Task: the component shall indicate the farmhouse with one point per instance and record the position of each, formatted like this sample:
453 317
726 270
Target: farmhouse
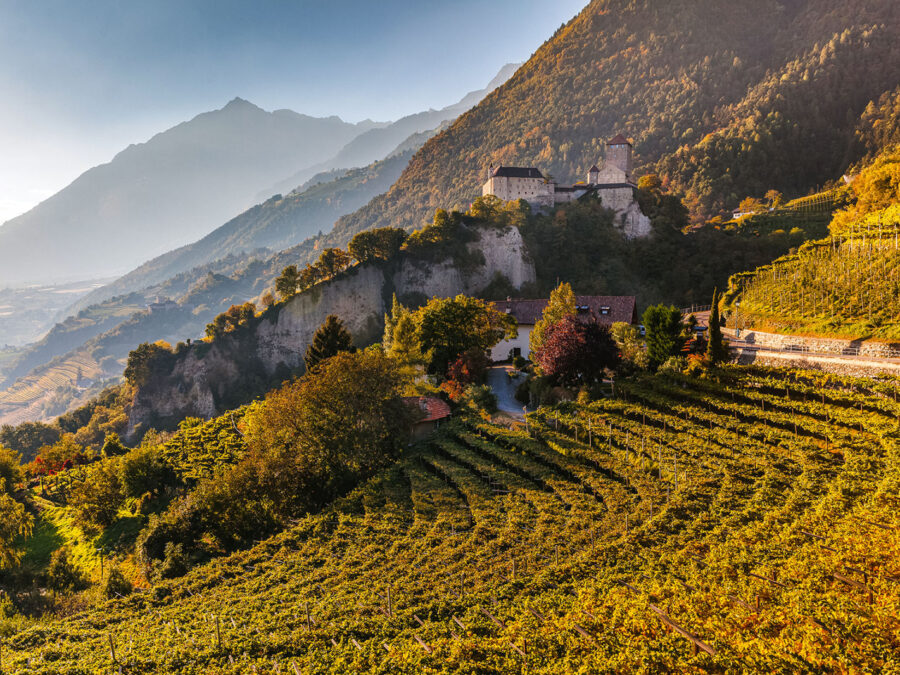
605 309
613 184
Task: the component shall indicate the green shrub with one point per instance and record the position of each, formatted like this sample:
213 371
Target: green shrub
483 397
62 575
116 584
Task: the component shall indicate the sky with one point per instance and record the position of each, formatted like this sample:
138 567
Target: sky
82 79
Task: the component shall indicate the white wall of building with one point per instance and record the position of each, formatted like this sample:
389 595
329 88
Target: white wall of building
501 351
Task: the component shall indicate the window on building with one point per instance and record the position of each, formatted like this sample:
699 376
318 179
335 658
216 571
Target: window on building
604 310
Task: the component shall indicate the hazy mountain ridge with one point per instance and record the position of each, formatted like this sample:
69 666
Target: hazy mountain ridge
378 143
170 190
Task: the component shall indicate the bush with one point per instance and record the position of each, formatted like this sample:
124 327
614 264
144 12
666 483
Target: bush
519 362
62 575
175 563
674 364
116 584
483 397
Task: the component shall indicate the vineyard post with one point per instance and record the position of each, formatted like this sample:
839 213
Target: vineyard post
390 603
218 634
675 457
590 434
308 621
660 463
112 648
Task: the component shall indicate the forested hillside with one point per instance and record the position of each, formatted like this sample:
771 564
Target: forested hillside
724 100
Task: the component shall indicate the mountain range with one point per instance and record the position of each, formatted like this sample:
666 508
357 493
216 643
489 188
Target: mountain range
155 196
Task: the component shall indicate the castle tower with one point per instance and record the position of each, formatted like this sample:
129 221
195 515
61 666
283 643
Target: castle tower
593 175
619 153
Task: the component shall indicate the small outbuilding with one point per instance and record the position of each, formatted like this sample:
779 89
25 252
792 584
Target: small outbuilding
433 412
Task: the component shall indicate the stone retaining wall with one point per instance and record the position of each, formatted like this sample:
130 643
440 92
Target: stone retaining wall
882 350
830 364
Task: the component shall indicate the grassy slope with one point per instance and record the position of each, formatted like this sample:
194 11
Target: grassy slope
542 534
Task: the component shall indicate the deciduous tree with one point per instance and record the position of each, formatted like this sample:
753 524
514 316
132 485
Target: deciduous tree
576 352
450 326
561 304
288 282
15 522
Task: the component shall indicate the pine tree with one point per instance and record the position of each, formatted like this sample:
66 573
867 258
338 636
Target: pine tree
716 349
330 339
390 323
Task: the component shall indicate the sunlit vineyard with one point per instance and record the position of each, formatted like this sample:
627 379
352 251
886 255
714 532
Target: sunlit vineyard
64 372
746 524
848 284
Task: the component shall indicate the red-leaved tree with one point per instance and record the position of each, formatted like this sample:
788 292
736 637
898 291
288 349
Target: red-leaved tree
576 352
469 367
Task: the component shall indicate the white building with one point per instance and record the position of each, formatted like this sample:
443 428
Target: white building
613 184
605 309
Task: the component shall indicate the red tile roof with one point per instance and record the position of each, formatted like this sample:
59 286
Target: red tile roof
432 408
607 309
619 140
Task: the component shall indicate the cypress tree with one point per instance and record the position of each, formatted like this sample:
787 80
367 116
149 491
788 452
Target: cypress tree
716 349
330 339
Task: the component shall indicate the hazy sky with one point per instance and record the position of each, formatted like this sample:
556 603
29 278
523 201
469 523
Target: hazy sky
81 79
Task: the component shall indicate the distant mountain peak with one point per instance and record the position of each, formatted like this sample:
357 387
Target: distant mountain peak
238 103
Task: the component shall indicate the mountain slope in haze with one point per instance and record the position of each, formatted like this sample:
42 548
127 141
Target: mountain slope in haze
278 223
166 192
782 83
376 143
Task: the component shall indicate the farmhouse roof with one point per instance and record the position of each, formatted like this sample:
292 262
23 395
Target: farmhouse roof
516 172
606 309
594 169
619 140
432 408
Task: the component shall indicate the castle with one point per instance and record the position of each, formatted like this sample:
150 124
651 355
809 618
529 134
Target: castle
614 184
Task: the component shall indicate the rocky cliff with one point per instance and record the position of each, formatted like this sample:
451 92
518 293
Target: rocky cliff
210 377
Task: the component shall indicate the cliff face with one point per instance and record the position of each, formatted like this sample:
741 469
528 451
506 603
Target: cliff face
208 378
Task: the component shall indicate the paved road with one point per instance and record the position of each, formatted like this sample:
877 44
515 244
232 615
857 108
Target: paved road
505 389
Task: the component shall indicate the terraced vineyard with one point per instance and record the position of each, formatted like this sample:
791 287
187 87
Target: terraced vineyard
747 525
18 403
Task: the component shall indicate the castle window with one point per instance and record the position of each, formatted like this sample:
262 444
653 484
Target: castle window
604 310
